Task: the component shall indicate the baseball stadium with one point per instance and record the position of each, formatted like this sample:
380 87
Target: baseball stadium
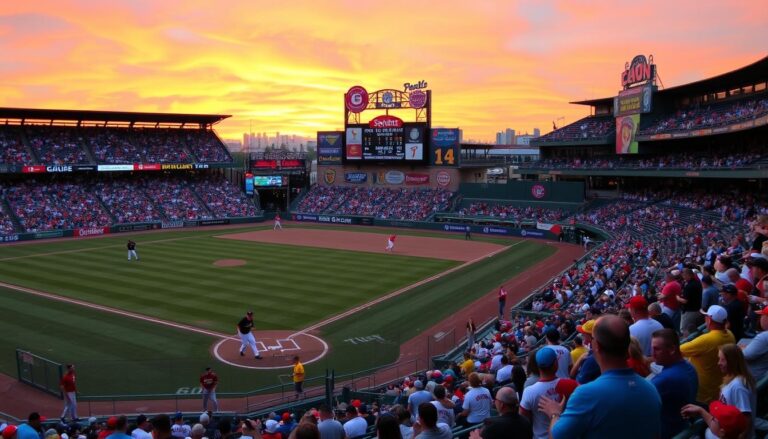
135 245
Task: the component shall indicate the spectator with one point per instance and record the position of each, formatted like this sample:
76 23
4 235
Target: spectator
578 350
735 309
602 408
445 407
417 398
404 418
723 421
563 354
180 430
703 353
143 427
643 325
328 426
270 430
636 360
738 387
654 311
709 295
587 370
669 299
355 425
677 383
120 429
756 352
477 402
387 427
509 424
550 385
427 427
690 300
32 428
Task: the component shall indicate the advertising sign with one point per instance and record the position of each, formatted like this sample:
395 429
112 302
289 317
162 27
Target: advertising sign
329 147
355 143
413 179
445 147
626 130
249 184
633 101
267 180
355 177
356 99
639 70
386 138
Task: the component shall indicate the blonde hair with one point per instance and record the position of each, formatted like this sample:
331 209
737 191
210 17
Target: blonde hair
736 366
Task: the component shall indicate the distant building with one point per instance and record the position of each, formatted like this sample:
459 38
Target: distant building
509 136
536 132
500 138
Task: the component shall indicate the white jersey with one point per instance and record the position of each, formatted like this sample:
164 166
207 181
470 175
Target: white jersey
530 402
478 402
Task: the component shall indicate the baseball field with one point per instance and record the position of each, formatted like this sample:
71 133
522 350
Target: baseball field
329 294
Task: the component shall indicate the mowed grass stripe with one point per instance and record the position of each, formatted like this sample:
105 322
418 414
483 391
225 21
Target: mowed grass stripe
177 280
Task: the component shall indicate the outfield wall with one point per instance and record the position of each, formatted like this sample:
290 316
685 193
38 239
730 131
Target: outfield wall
121 228
539 191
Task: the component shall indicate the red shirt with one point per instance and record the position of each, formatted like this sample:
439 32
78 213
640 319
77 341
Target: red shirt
68 382
392 238
502 295
669 295
209 380
277 217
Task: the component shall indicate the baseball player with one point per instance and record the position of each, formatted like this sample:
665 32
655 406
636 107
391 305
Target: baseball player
208 382
391 243
69 390
132 250
277 226
244 328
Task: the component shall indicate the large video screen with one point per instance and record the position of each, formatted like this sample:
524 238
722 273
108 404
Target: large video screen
393 143
267 180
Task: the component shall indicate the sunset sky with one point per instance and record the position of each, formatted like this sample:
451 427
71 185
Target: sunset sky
285 65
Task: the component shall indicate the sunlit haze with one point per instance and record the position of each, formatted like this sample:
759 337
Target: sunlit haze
285 65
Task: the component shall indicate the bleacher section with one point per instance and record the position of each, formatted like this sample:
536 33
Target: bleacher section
588 128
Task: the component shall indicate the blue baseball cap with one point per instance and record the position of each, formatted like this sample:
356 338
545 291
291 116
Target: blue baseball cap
546 357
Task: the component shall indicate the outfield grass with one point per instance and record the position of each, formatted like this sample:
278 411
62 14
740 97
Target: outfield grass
289 287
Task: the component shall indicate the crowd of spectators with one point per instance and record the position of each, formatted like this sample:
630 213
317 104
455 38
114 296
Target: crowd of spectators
700 160
222 198
41 206
12 150
56 145
709 116
84 202
205 146
384 203
592 127
512 212
160 146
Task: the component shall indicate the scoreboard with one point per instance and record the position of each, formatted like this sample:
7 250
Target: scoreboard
394 142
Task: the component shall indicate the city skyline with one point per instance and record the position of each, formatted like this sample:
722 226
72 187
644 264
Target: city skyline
285 68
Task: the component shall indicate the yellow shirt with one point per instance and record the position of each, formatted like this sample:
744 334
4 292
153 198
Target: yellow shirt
298 372
577 352
702 353
467 367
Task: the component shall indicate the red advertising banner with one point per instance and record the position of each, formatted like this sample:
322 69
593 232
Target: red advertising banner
33 169
147 167
92 231
416 179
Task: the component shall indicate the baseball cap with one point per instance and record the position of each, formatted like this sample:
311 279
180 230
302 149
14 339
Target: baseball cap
732 421
176 417
729 288
286 417
271 426
763 312
717 313
418 384
637 303
546 357
141 419
92 420
760 263
112 422
9 431
587 327
204 418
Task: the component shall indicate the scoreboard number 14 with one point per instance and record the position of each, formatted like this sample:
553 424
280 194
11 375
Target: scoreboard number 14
444 157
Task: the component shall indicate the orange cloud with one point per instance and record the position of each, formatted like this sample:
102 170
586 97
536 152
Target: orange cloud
284 66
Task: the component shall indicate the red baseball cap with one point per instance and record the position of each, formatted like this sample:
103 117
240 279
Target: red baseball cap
732 421
763 312
9 431
637 302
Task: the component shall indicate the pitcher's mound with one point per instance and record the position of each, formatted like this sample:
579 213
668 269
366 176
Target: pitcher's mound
229 262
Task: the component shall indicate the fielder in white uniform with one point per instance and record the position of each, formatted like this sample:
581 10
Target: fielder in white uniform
244 328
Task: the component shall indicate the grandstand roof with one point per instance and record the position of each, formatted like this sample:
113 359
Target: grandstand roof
754 72
108 116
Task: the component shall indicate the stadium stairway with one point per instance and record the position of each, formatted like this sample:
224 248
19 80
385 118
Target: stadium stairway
30 150
88 152
200 199
106 208
12 216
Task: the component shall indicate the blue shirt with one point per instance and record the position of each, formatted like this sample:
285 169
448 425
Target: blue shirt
589 370
619 404
26 432
677 385
118 435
